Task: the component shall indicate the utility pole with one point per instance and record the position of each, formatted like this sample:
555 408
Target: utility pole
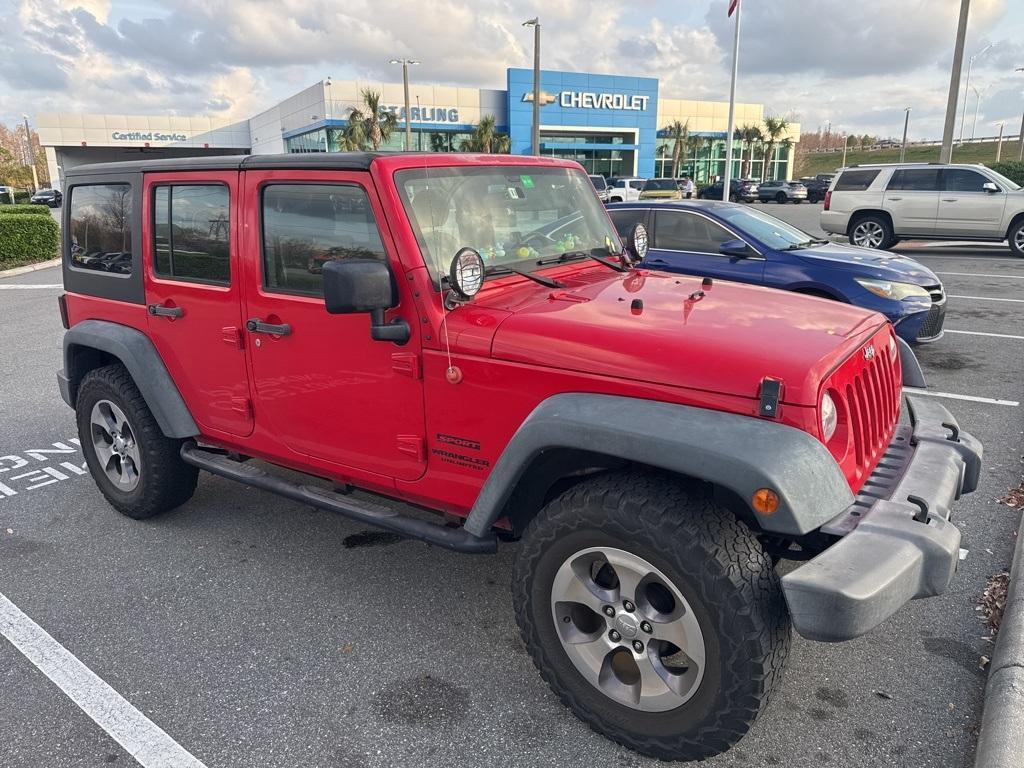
405 82
954 83
906 124
846 142
999 146
30 156
535 135
734 5
1020 138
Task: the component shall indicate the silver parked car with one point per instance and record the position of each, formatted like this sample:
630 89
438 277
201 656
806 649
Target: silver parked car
782 191
876 206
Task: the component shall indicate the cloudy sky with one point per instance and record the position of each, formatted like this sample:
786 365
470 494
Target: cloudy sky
854 63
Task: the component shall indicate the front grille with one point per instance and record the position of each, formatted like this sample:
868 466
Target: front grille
932 327
873 398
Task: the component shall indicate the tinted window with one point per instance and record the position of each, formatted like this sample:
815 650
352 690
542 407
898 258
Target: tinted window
963 180
855 181
618 183
661 184
681 231
624 221
307 225
101 228
191 232
915 179
599 182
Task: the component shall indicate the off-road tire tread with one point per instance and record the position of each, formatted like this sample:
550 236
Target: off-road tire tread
167 481
701 539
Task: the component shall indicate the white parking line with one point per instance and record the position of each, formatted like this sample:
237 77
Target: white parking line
983 333
954 396
23 287
141 738
984 298
973 274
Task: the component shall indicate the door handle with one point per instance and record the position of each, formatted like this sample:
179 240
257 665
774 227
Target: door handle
950 199
255 325
895 197
158 310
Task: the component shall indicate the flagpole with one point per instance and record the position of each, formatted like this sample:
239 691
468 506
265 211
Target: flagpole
727 178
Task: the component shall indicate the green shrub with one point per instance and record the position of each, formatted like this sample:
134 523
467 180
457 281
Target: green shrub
26 238
1013 170
33 209
22 197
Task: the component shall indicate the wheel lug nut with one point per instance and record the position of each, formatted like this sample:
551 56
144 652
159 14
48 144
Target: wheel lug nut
615 636
646 627
609 611
638 646
628 605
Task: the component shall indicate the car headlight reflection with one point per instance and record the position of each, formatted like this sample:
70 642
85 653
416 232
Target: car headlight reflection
829 417
888 289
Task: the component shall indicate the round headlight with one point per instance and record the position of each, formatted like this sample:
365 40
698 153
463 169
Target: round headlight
466 275
637 245
829 417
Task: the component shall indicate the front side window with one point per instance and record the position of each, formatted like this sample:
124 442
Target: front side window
515 216
683 231
191 239
963 180
307 225
915 180
101 228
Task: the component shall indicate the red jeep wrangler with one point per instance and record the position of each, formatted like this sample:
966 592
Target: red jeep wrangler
467 334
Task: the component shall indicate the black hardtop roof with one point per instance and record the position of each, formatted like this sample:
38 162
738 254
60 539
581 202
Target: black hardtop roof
341 161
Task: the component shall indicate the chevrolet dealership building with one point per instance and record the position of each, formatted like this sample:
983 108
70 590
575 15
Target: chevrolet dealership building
613 125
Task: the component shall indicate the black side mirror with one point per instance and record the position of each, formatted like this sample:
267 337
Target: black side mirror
364 285
736 249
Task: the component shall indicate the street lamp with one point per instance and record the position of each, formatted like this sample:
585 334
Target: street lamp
999 146
1020 139
906 124
970 65
405 82
30 155
535 138
977 106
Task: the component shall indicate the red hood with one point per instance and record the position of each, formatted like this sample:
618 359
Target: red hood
726 341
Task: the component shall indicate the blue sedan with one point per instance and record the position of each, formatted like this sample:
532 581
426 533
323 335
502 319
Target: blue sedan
735 242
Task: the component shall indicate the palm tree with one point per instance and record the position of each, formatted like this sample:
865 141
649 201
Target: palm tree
750 135
369 124
678 132
774 129
485 138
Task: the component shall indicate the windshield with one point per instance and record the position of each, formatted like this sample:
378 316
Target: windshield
661 184
772 232
1010 185
514 216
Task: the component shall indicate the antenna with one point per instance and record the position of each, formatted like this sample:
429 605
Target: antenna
452 374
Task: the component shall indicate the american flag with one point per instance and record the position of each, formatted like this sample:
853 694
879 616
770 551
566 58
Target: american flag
732 6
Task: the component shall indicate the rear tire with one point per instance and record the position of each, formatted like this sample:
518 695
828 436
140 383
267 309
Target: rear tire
702 567
780 198
136 467
872 231
1016 238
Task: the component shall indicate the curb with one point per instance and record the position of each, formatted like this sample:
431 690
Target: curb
29 268
1001 741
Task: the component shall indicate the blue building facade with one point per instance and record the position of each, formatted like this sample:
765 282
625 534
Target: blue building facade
609 123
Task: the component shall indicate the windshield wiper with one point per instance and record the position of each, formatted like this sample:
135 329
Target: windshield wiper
573 255
545 281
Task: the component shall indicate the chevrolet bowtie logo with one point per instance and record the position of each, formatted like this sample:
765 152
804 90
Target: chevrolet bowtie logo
545 97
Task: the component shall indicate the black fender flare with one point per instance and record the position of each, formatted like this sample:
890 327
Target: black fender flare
137 353
741 453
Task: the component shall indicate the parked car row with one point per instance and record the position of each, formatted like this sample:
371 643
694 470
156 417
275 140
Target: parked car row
627 189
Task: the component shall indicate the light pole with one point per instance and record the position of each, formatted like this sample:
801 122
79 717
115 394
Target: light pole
535 136
906 124
419 133
977 106
846 142
30 155
405 82
999 146
954 83
967 85
1020 139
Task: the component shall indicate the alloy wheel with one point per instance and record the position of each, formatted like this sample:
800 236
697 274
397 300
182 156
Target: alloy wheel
113 441
627 629
868 234
1018 240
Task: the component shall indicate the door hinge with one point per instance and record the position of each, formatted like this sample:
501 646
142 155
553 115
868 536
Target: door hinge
232 336
407 363
242 405
411 445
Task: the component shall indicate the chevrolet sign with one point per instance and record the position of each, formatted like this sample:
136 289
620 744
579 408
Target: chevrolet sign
588 100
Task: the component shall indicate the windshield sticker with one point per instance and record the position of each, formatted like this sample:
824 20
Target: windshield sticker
527 181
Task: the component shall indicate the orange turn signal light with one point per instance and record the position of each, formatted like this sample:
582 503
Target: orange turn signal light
765 501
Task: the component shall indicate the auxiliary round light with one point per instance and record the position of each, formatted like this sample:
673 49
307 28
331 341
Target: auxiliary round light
466 275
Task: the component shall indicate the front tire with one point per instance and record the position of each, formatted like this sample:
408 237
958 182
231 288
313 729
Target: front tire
136 467
681 577
872 231
780 198
1016 239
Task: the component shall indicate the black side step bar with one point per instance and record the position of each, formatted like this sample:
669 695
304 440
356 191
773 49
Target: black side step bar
364 511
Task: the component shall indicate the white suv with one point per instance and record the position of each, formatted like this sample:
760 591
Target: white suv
625 189
876 206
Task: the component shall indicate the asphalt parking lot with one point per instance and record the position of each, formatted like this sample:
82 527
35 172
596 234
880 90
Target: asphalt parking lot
258 632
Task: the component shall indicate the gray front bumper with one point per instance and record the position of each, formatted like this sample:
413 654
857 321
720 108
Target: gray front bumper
885 556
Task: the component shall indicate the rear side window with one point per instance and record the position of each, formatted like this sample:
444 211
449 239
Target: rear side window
307 225
855 181
963 180
915 180
191 233
101 228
